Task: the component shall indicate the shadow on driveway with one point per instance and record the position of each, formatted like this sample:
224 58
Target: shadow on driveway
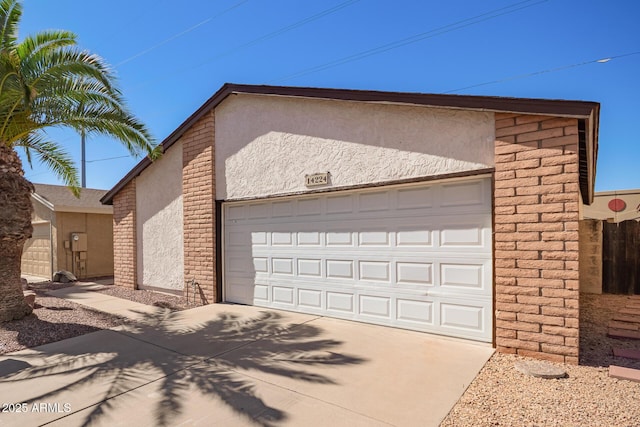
163 360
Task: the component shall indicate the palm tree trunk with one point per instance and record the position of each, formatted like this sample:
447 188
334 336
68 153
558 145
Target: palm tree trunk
15 229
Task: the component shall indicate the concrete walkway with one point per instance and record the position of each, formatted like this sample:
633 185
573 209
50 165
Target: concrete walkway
237 365
84 293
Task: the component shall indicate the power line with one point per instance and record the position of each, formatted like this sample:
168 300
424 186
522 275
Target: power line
255 41
549 70
29 176
281 31
36 174
106 158
180 34
416 38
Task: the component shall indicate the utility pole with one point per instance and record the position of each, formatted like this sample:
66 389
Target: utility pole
84 160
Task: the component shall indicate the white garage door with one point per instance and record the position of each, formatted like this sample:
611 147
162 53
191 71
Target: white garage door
36 253
413 256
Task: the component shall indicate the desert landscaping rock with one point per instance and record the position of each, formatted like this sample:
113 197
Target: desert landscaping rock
502 396
540 369
30 298
64 277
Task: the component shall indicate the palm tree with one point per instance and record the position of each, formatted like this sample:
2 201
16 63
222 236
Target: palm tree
47 81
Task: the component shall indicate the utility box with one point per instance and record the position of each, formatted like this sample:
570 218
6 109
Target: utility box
78 242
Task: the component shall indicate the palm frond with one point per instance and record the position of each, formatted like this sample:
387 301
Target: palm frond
54 157
59 64
46 81
10 13
44 41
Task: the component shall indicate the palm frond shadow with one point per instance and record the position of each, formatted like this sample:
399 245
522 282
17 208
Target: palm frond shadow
180 358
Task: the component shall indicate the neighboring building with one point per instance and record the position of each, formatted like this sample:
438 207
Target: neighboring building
69 233
456 215
614 206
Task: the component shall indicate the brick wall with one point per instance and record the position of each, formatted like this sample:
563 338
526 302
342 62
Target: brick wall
198 196
536 236
124 237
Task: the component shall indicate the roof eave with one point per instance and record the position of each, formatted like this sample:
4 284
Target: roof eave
43 201
561 108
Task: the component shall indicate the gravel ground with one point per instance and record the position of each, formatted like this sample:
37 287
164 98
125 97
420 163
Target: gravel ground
53 319
502 396
146 297
499 396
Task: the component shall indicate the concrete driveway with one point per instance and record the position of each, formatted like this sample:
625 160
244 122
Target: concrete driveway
233 365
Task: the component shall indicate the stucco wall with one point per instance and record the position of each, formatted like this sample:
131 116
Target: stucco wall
591 256
265 145
99 230
160 253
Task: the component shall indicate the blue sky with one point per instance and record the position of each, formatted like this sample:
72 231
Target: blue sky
171 56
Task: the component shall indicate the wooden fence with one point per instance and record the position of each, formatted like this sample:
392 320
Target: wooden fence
621 258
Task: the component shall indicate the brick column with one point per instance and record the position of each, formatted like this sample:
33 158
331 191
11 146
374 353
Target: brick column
536 236
124 237
198 198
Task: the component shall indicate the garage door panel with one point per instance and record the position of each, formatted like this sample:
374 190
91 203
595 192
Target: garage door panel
309 238
374 201
261 293
414 236
308 267
238 290
414 274
309 206
377 271
339 238
414 312
414 256
235 212
310 298
370 305
281 238
282 266
465 318
465 194
414 198
339 205
341 302
283 295
340 269
462 235
374 238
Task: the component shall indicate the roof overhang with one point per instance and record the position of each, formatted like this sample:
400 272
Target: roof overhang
104 210
586 112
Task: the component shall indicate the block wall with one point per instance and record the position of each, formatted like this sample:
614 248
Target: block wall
198 189
536 236
124 236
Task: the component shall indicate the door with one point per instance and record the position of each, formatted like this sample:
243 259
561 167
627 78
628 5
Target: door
36 254
413 256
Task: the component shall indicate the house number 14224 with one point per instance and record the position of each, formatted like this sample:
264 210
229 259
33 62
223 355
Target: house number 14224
317 179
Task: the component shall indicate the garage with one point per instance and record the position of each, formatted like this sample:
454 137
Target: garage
450 214
414 256
36 255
